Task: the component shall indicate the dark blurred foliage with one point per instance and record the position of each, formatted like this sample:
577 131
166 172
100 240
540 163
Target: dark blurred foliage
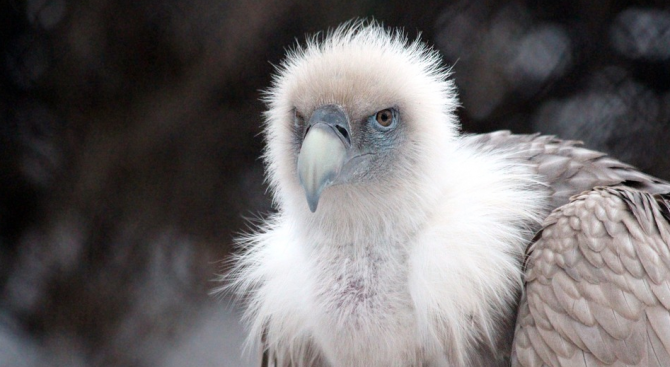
129 144
592 71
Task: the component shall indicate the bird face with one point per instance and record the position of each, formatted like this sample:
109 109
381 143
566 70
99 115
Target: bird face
356 115
336 150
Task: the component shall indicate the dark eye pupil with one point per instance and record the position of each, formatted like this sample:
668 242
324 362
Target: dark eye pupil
384 117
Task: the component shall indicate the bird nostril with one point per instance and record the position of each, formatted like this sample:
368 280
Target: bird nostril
343 132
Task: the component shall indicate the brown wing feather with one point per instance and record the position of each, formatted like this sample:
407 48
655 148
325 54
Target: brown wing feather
568 168
598 284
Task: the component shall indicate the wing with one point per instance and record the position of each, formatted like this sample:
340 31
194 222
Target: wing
566 167
598 284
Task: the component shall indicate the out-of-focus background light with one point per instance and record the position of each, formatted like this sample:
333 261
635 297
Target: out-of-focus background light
129 145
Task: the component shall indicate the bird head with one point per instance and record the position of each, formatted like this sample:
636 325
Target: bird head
360 110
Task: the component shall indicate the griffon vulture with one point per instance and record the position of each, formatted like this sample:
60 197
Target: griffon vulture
398 241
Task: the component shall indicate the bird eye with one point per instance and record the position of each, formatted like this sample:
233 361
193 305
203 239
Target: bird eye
384 117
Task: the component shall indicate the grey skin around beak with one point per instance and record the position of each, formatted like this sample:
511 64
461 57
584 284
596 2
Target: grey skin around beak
326 150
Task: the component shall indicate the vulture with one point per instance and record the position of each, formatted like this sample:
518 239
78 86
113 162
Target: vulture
399 241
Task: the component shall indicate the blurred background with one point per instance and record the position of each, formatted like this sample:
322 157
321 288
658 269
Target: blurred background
129 145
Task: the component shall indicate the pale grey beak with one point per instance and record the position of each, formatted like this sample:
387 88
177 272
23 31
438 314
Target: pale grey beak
324 152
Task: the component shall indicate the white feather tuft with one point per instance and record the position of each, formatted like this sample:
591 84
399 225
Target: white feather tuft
417 265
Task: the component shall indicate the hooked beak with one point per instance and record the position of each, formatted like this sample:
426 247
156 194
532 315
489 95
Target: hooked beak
325 150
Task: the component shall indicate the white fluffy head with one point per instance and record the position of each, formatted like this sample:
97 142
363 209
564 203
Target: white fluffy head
363 68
